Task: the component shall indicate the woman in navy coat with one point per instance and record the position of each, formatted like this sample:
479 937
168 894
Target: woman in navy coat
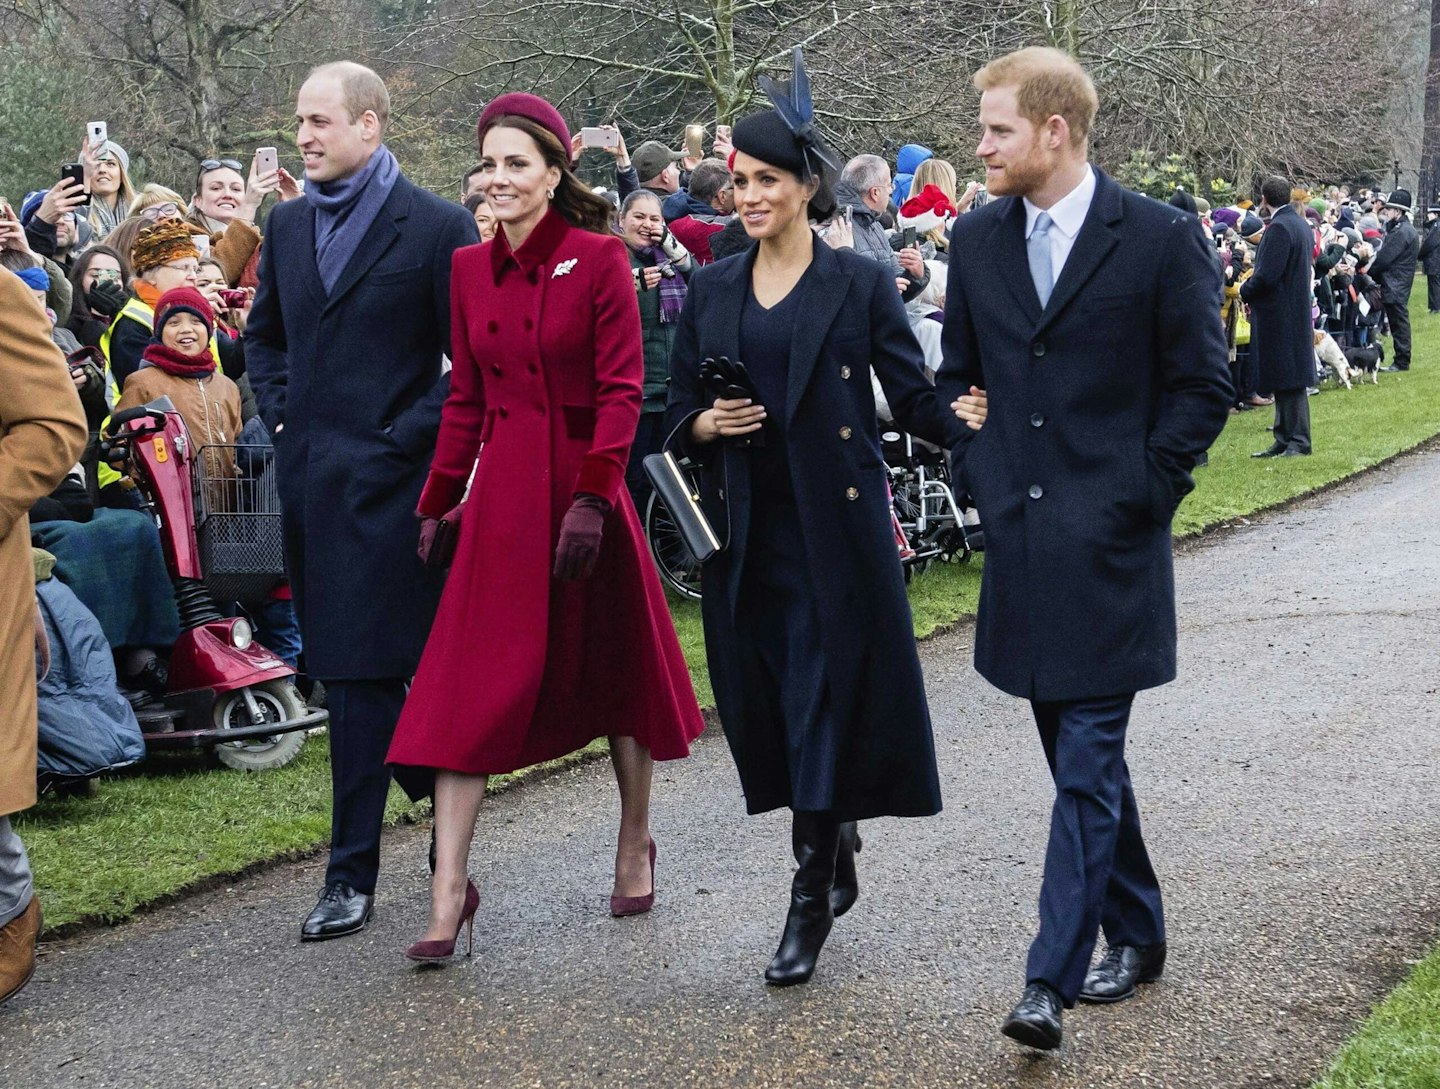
807 628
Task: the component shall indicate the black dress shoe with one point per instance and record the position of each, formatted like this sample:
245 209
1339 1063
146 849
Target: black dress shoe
1273 452
1292 452
341 911
847 884
1123 966
1035 1020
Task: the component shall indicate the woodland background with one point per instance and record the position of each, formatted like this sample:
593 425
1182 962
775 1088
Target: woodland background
1211 93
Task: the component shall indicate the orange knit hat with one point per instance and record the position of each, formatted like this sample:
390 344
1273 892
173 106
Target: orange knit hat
160 243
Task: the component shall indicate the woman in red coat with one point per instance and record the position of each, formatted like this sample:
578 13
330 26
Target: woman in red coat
553 629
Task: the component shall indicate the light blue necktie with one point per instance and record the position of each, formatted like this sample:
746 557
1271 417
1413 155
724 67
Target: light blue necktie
1039 248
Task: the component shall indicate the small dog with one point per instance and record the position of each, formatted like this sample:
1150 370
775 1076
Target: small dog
1329 353
1365 361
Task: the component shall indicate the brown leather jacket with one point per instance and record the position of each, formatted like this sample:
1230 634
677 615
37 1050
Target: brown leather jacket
210 408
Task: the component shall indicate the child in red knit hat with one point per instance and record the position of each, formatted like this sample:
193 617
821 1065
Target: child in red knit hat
179 364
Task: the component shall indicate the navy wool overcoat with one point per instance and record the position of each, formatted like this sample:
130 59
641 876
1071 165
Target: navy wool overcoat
355 378
1099 406
851 319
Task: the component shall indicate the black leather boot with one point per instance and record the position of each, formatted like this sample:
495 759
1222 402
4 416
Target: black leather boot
816 838
847 884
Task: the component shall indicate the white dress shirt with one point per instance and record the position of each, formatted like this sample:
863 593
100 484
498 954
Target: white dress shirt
1068 215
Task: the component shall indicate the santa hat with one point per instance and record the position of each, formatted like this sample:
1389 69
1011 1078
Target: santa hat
928 209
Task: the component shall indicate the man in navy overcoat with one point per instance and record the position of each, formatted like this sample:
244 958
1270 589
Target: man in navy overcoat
1083 346
344 348
1282 342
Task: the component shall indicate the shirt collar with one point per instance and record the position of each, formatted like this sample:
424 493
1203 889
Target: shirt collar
1068 213
534 252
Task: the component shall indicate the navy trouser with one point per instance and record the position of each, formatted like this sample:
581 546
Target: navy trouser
1097 873
362 720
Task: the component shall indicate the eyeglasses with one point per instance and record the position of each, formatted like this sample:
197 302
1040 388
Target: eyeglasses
207 165
156 212
191 269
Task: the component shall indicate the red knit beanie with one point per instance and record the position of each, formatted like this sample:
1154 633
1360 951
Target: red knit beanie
183 300
533 107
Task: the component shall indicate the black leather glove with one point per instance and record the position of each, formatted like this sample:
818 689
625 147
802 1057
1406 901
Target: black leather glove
105 299
580 534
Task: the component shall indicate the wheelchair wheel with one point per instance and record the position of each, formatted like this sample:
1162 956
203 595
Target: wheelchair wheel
677 567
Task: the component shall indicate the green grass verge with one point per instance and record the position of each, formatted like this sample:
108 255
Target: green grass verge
139 838
1398 1047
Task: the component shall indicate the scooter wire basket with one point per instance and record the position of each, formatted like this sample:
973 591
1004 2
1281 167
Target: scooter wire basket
237 521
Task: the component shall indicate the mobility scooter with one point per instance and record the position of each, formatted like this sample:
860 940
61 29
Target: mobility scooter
221 537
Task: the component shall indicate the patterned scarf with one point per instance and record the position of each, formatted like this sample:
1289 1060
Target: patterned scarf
673 288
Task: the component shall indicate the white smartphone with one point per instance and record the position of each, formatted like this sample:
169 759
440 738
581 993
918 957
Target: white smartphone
97 132
599 137
266 160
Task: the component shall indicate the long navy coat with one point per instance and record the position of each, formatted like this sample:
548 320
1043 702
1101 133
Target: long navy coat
1282 333
1099 407
356 379
852 320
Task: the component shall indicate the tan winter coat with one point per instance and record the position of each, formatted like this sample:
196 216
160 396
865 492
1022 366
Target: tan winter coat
211 410
42 433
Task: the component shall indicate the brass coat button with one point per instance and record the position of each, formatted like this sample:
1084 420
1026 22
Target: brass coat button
852 494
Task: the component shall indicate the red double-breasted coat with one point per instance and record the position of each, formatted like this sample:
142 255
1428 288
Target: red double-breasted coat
521 667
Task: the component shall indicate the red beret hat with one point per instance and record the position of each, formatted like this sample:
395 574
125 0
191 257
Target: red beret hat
520 104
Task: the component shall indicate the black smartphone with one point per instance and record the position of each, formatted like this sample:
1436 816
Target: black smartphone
907 237
75 172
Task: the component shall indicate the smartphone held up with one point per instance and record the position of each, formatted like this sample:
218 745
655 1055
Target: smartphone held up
603 136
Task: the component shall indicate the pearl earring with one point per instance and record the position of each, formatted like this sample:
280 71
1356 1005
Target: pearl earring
549 194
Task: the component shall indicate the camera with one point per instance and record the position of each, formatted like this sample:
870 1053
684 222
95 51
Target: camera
234 299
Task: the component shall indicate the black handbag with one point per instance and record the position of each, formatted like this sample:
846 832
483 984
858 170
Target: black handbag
682 498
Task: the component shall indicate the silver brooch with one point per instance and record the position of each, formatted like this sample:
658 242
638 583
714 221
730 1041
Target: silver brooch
564 267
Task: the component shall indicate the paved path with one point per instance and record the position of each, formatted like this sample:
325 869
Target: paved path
1287 783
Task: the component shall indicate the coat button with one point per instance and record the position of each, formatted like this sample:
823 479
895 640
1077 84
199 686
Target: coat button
495 370
1036 491
1037 349
532 368
845 372
845 432
529 324
852 494
503 412
1037 420
494 327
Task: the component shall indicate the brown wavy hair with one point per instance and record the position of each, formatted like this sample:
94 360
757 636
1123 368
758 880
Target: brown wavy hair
573 198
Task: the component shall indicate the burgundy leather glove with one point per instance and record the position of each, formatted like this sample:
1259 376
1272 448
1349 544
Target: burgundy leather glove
580 532
431 538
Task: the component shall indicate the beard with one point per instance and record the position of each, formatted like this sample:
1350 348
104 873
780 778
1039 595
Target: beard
1021 176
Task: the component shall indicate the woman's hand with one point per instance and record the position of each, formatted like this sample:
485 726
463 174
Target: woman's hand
973 408
839 234
258 186
64 196
290 189
651 275
728 420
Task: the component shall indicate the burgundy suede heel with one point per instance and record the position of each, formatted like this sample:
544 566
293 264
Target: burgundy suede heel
621 906
438 952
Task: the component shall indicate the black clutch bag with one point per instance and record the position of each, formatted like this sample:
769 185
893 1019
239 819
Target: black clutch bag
677 490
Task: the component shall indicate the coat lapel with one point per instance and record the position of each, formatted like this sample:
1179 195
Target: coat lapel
378 239
1093 244
1007 243
308 263
724 336
826 285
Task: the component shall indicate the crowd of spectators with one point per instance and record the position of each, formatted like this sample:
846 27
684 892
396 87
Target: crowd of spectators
101 256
